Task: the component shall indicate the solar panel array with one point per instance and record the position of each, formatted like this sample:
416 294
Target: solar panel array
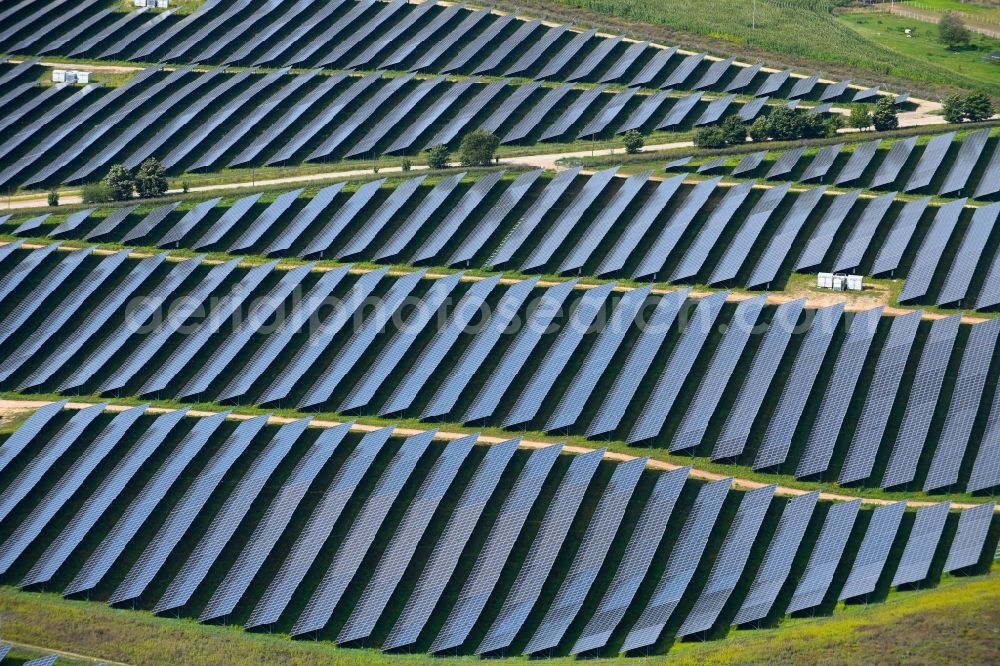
838 393
552 531
873 165
727 570
519 378
234 478
870 561
166 114
684 559
967 544
892 361
589 558
921 545
481 229
963 406
364 33
814 584
777 564
924 392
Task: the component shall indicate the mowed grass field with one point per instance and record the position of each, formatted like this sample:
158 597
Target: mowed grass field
923 44
803 33
955 623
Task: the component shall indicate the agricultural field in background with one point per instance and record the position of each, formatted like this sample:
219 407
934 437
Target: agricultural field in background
972 63
802 33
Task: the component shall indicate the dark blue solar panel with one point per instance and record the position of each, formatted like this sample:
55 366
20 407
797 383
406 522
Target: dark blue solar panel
967 544
825 558
360 535
743 241
767 357
963 407
963 267
619 397
317 530
965 162
521 598
881 397
655 258
640 223
837 396
493 555
445 558
893 163
921 402
858 162
773 83
780 244
931 160
495 56
899 237
400 550
629 57
681 566
587 563
990 182
635 563
727 570
694 259
777 564
925 265
712 386
863 233
824 233
874 551
654 413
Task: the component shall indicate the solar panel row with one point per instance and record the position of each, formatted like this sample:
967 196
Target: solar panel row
686 556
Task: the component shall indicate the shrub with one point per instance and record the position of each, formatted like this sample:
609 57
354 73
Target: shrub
977 107
437 157
710 137
478 148
53 198
95 193
884 116
735 130
952 30
406 165
861 117
151 180
784 124
119 183
185 186
814 126
954 110
759 129
634 141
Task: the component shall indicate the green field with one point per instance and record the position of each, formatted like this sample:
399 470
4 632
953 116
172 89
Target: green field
968 63
951 624
982 8
803 33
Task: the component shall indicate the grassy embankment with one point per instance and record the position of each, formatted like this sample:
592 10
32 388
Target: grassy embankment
954 624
